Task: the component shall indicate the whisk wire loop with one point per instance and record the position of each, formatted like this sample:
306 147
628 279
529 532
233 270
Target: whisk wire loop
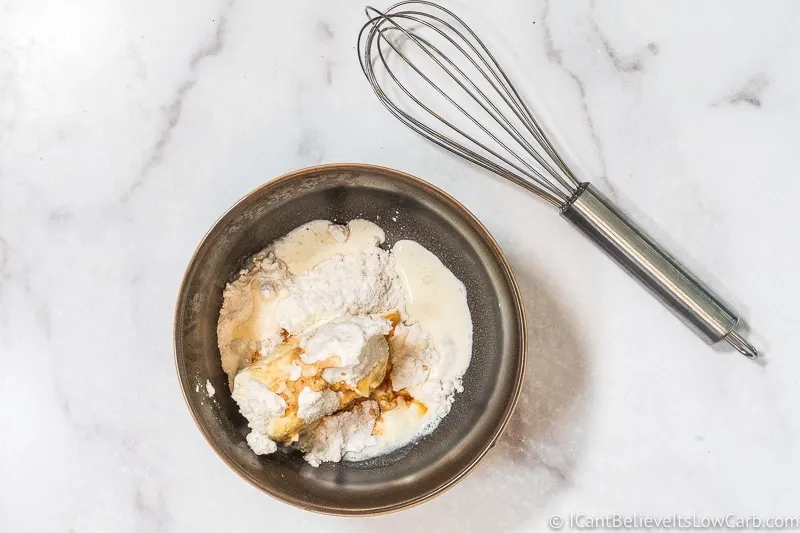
476 94
551 180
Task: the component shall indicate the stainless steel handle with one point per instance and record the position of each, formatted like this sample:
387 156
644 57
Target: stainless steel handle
687 297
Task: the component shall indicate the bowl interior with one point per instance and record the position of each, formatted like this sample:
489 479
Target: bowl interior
406 208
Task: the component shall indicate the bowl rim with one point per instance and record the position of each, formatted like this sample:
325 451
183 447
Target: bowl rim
517 303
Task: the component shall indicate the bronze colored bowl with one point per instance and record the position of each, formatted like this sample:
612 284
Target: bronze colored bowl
406 208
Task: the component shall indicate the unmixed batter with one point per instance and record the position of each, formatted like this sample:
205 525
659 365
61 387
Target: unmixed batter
341 348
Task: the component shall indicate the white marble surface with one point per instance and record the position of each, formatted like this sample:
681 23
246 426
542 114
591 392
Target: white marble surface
127 127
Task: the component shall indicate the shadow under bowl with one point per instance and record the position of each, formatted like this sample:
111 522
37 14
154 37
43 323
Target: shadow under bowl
406 208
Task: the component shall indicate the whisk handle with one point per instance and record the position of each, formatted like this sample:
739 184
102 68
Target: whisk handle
687 297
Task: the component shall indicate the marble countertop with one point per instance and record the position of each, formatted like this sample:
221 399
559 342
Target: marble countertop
127 127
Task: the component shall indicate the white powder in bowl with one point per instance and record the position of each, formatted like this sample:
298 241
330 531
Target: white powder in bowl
310 331
341 434
358 341
247 321
260 443
259 406
360 284
314 405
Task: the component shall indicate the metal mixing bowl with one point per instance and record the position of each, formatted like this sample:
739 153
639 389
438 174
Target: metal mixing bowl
406 208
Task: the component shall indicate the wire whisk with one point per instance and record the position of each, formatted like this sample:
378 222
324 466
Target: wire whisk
434 73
